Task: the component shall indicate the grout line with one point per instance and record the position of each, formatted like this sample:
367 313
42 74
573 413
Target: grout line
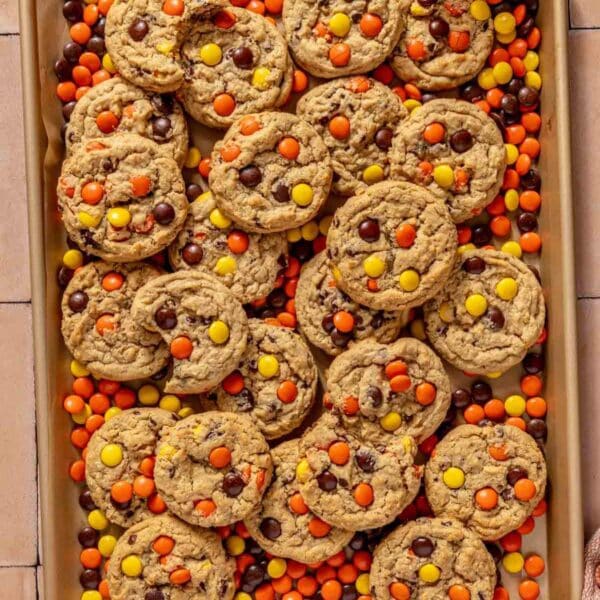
8 567
588 297
590 28
9 302
9 34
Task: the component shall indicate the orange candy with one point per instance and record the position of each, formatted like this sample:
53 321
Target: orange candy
300 82
530 242
396 367
331 590
238 241
90 558
180 576
181 347
156 504
143 486
459 41
307 586
343 321
400 383
399 591
107 121
256 6
318 528
249 125
363 494
494 409
339 453
434 133
66 91
534 565
405 235
224 105
174 8
525 490
529 590
486 498
339 54
339 127
163 545
112 281
371 25
147 466
105 323
92 193
498 452
289 148
121 491
80 33
416 49
297 505
274 6
473 414
140 185
351 406
220 457
287 392
425 393
536 407
230 152
459 592
206 507
73 404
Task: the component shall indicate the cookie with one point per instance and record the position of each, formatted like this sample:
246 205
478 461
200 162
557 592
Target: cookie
443 45
392 246
388 390
271 172
353 484
202 323
453 149
342 37
432 559
119 467
320 305
163 558
358 119
284 525
117 106
246 263
121 199
143 39
275 382
212 469
97 325
490 313
236 64
489 478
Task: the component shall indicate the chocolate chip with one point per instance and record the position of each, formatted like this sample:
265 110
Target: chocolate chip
96 45
481 235
88 537
349 592
339 338
73 11
509 104
327 481
270 528
531 180
427 3
365 460
233 484
250 176
374 396
369 230
472 93
277 298
495 318
162 103
533 363
99 27
245 400
138 30
78 301
383 138
62 69
461 398
439 28
85 500
537 429
327 323
164 213
67 110
527 222
516 474
72 51
192 253
481 392
161 128
474 265
422 546
461 141
243 57
281 193
165 318
89 579
192 191
154 594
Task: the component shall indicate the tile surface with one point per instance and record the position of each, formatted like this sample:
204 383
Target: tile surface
9 16
18 493
584 13
18 583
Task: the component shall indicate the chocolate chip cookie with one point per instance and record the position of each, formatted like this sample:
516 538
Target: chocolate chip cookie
202 323
246 263
384 390
119 468
431 559
121 198
330 319
98 327
353 484
163 557
236 64
489 478
340 37
271 172
284 525
212 469
490 313
452 148
392 246
443 44
275 382
357 118
117 106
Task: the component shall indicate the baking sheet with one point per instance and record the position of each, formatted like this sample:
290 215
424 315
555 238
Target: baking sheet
43 32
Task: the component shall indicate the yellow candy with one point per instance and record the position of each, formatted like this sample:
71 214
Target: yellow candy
336 274
294 235
480 10
373 174
411 105
506 38
513 248
391 421
167 451
310 231
446 312
374 266
443 175
363 584
417 329
465 248
494 375
476 305
340 24
276 568
429 573
268 366
108 64
242 596
511 200
72 259
226 265
486 79
111 455
97 520
106 545
148 395
515 405
325 224
87 220
204 197
513 562
416 10
132 566
165 48
91 595
170 402
81 417
235 545
505 23
118 217
502 72
409 280
531 60
260 78
454 478
512 153
186 411
211 54
507 288
533 80
303 471
218 219
193 157
408 444
113 411
78 370
302 194
218 332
